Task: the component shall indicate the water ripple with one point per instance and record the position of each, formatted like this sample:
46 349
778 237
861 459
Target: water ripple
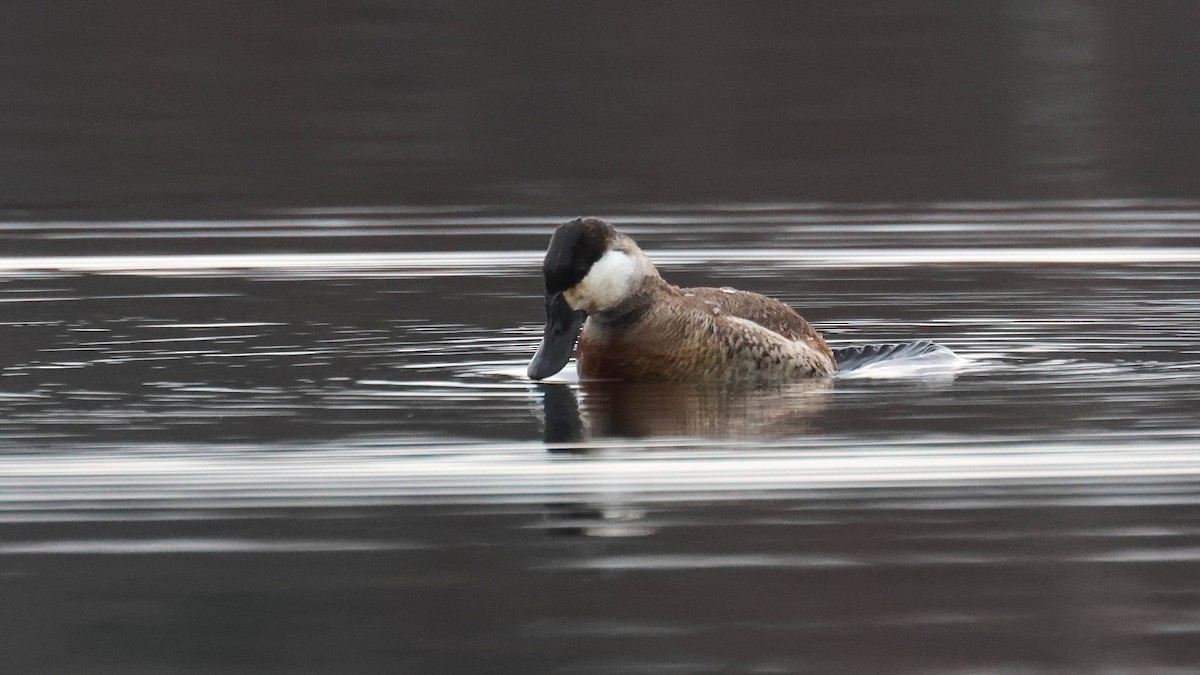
183 475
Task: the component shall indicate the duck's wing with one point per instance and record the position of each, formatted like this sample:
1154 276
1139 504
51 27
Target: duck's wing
766 312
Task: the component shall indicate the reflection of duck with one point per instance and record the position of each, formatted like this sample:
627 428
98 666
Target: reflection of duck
608 408
640 328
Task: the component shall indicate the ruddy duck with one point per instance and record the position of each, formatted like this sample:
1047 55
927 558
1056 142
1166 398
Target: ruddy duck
637 327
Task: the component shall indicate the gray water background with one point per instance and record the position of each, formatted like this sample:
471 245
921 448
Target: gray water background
269 276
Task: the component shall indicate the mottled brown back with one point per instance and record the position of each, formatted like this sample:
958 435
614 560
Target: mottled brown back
766 312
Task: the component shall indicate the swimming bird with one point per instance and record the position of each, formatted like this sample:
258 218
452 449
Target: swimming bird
630 324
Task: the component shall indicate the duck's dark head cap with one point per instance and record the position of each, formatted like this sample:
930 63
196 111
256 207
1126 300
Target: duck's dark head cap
573 249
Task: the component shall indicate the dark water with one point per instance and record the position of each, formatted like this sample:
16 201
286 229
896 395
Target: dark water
330 462
269 280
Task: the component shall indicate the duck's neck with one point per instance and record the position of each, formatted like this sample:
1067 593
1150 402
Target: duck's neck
633 307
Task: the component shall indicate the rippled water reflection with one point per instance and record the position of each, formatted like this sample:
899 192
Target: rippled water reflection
1066 327
279 439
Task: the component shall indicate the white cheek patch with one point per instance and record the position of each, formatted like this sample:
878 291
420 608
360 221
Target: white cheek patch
607 283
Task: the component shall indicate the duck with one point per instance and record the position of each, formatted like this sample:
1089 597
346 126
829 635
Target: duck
604 296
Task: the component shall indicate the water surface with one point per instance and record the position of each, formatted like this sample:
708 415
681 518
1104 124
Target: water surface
210 457
269 280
